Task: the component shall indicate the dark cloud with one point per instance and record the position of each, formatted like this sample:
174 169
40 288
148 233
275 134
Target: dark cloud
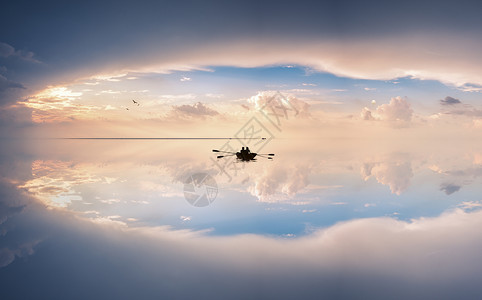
7 51
7 211
12 203
8 255
9 91
449 101
449 188
8 84
196 110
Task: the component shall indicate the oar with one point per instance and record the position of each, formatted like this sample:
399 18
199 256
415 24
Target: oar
214 150
270 154
221 156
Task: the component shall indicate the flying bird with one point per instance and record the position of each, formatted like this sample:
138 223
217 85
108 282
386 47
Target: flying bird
135 102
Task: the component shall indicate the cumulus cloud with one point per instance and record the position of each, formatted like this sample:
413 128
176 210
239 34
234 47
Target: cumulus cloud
280 105
398 110
279 180
394 172
450 101
366 114
397 113
198 110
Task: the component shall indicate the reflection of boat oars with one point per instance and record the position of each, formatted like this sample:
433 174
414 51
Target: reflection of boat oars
265 157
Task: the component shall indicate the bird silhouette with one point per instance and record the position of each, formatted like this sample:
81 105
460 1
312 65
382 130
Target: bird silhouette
135 102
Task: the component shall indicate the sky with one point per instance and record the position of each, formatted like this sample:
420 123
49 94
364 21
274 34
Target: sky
372 109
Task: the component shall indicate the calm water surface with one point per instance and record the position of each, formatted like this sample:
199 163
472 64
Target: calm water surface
360 211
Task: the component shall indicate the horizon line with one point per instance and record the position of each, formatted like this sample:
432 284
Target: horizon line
154 138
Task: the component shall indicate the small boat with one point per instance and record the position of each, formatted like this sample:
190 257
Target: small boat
244 154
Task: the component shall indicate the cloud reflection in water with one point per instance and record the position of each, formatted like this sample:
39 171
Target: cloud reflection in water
121 206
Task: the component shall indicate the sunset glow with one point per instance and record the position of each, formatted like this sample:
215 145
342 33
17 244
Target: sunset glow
240 150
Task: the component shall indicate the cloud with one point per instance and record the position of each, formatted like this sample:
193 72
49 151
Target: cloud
184 78
11 202
470 205
449 188
345 58
395 172
397 113
198 110
279 180
8 255
403 257
449 101
453 108
10 91
366 114
477 123
54 182
280 105
6 212
8 84
185 218
470 87
398 110
371 258
8 51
